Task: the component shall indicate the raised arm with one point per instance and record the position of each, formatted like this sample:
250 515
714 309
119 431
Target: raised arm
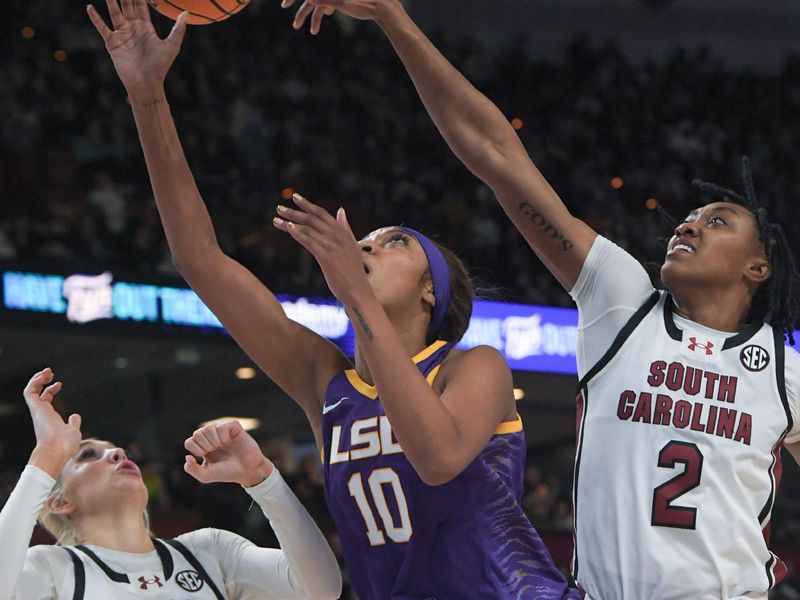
479 134
296 358
304 567
56 442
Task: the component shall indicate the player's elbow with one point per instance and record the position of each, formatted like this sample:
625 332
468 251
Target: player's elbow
436 472
328 588
196 261
499 158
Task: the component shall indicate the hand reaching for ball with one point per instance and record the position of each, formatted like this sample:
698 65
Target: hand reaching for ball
140 57
364 10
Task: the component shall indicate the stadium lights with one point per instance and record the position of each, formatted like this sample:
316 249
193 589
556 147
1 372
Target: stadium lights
247 423
245 373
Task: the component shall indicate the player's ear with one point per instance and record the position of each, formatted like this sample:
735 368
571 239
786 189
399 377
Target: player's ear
60 505
758 270
428 297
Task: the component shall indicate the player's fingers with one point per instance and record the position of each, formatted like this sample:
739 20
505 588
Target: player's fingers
194 468
98 22
34 386
49 393
341 218
128 10
316 20
210 436
141 9
226 431
298 217
192 446
295 216
75 421
115 13
178 31
287 3
309 207
328 5
302 14
301 234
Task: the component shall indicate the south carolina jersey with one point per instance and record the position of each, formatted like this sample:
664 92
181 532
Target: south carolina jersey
678 460
176 575
403 539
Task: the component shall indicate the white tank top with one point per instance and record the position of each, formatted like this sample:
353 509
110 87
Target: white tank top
678 460
177 575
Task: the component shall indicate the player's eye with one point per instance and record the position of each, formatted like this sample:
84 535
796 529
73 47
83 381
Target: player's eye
397 238
87 453
716 219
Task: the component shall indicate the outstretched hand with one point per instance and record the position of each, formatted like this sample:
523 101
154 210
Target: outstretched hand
332 243
229 454
318 9
56 440
140 57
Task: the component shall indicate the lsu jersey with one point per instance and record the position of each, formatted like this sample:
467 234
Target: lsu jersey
403 539
678 460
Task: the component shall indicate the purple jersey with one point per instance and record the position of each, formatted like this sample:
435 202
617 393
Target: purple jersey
403 539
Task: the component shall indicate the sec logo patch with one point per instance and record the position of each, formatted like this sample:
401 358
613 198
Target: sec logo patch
189 581
754 358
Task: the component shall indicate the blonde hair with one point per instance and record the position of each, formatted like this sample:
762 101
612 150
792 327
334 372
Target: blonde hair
60 527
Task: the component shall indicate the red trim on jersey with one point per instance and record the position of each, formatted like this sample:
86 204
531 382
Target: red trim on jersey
779 571
776 568
775 474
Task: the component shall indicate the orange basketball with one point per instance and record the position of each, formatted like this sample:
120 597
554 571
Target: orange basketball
201 12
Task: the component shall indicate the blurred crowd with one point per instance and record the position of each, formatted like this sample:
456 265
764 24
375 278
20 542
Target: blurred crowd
264 110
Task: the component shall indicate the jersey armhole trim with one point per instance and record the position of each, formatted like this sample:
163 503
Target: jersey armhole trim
505 427
80 576
622 336
110 573
780 374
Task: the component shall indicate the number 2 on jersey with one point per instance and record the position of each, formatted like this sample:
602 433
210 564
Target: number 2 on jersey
666 514
376 480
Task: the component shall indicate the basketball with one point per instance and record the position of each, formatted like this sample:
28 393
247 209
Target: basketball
201 12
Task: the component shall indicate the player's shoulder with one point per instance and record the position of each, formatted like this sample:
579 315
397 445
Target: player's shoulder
482 362
481 357
209 539
48 558
47 552
792 364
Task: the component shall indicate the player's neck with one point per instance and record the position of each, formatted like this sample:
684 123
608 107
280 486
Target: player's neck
716 309
412 338
116 532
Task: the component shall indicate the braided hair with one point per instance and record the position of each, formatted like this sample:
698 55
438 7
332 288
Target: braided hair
774 301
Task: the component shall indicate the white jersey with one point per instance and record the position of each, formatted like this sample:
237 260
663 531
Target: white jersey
679 436
175 572
207 564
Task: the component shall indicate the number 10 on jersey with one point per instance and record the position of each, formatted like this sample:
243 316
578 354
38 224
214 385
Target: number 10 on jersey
379 479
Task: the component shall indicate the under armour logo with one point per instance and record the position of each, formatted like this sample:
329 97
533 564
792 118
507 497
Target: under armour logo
145 582
695 344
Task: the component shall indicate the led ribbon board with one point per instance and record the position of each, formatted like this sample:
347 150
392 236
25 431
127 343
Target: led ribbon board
532 338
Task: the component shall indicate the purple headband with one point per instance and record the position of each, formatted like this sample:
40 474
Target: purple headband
440 274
